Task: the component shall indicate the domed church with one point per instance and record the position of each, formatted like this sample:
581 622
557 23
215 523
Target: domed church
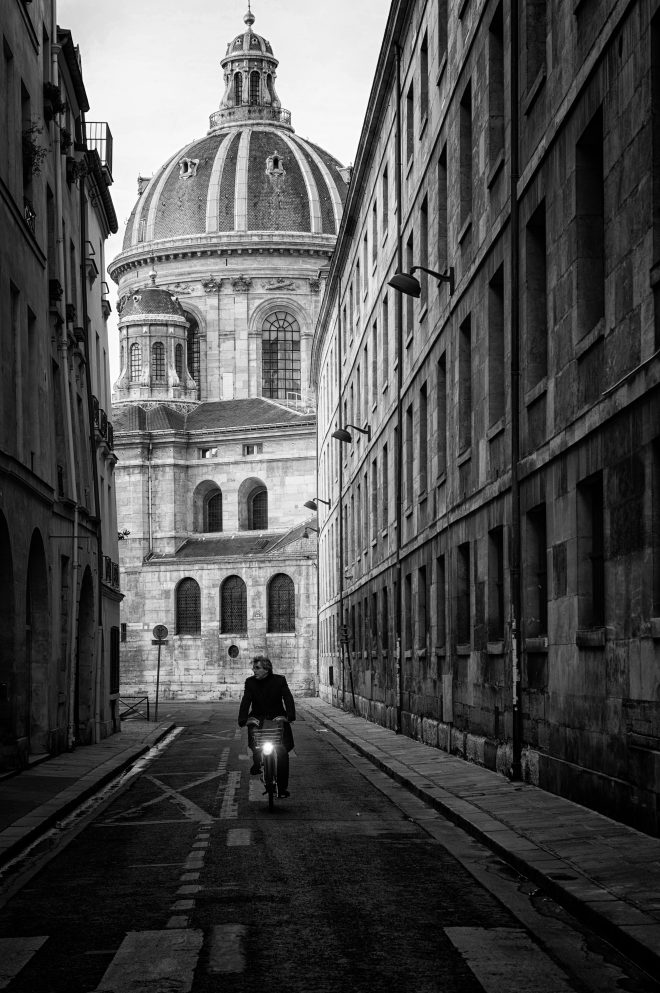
220 282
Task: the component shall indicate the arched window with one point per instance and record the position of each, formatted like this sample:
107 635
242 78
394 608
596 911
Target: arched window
258 510
254 87
281 604
188 608
193 351
233 606
280 355
158 362
178 361
136 361
122 353
238 88
214 513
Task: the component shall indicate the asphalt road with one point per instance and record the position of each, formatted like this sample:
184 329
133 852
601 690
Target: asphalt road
183 882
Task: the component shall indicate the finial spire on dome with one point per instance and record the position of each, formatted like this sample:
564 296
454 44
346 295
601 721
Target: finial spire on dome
152 277
249 18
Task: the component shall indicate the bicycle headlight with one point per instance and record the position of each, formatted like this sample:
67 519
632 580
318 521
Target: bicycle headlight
268 748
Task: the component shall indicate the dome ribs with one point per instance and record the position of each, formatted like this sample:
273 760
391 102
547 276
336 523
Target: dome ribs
276 201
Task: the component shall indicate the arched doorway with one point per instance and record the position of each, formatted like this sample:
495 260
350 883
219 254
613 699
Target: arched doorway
84 676
34 679
7 621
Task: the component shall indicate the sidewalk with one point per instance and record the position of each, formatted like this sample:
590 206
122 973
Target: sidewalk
34 800
603 872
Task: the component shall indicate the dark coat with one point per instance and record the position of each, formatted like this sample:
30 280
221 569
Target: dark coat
268 698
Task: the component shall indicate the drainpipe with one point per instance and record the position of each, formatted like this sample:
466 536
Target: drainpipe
515 553
398 452
64 362
149 497
93 458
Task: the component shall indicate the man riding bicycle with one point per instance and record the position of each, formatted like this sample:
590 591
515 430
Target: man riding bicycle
266 696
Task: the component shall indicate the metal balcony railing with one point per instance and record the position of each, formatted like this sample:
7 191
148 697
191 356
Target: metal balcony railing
99 139
29 214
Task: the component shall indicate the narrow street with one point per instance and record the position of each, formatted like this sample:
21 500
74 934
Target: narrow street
183 881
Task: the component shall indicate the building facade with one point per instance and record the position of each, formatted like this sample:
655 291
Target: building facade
59 576
220 282
489 565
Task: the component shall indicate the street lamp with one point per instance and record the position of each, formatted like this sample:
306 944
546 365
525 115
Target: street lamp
406 283
341 434
313 504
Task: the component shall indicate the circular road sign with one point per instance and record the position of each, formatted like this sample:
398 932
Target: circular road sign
160 632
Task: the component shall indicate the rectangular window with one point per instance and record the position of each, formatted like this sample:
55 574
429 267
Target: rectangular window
365 265
254 449
384 200
590 552
463 616
496 377
535 35
424 249
123 631
465 385
442 210
385 489
423 435
440 602
410 301
496 584
590 217
344 329
365 366
374 362
410 123
496 88
536 298
422 599
407 613
384 618
410 445
208 453
536 573
441 432
374 499
465 154
384 340
374 232
358 520
424 79
443 15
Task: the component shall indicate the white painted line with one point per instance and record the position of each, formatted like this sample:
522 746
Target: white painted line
15 953
226 948
189 877
229 807
149 960
183 905
506 959
188 890
177 922
239 836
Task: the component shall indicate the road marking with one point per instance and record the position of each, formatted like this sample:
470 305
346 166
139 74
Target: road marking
229 808
239 836
154 960
256 791
15 953
226 948
505 959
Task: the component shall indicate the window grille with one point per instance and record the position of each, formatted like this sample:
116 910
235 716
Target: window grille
281 604
136 362
158 362
214 513
258 510
233 606
254 87
280 352
193 351
178 361
188 608
238 88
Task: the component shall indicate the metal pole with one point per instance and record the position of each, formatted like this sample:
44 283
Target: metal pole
157 684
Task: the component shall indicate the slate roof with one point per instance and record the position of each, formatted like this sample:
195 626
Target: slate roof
217 415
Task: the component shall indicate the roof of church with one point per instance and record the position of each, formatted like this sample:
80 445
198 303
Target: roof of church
246 543
219 415
250 172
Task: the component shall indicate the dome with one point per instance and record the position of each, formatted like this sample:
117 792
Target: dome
152 301
240 179
249 173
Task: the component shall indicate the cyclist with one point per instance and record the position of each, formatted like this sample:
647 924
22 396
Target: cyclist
266 696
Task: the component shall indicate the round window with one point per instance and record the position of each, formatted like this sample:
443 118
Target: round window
233 651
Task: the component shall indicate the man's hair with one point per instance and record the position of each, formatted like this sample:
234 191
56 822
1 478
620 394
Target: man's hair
265 661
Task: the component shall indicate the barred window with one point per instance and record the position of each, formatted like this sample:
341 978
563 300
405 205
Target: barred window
193 351
233 606
255 80
188 608
158 362
258 510
238 88
280 352
281 604
136 361
178 361
214 513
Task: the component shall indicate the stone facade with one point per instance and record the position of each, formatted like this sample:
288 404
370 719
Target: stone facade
493 546
220 283
59 574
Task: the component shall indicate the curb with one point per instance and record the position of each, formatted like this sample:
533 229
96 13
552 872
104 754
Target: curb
626 943
32 834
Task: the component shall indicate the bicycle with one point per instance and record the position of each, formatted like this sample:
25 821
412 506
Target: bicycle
267 739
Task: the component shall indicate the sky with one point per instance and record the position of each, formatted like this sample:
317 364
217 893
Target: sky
152 71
